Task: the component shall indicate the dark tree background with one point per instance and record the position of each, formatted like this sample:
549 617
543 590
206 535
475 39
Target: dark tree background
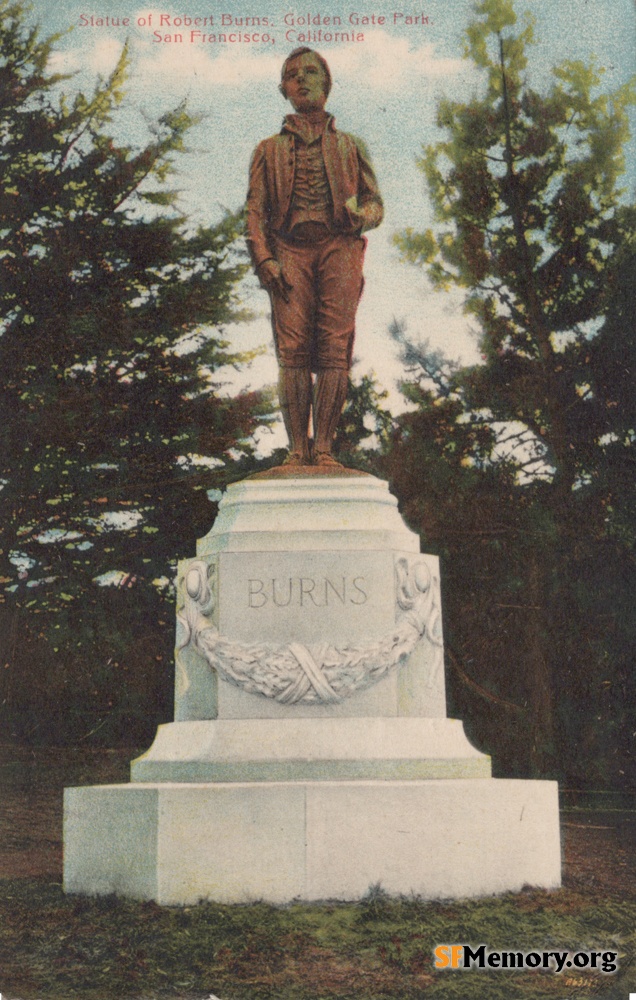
520 470
112 334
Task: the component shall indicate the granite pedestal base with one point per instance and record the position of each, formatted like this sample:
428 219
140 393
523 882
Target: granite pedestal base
310 756
178 843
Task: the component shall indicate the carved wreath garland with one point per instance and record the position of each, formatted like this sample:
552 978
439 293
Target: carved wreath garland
317 674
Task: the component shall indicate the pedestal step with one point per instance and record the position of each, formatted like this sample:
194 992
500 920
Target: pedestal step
181 843
310 750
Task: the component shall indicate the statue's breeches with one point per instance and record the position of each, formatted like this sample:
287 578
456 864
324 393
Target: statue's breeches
316 327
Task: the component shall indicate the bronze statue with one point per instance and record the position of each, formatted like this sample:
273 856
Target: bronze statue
312 194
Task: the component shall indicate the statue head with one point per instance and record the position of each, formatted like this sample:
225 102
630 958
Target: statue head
305 80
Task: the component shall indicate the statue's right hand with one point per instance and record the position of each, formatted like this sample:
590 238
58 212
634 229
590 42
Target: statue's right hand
272 277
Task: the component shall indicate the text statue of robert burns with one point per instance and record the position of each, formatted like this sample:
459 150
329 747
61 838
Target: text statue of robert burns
312 193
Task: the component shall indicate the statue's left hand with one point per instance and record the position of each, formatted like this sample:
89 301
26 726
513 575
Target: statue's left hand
271 275
356 217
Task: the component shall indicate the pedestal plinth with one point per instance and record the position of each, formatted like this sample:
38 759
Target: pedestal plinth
310 756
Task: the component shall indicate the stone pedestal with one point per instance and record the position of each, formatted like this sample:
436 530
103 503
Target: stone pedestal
314 561
310 756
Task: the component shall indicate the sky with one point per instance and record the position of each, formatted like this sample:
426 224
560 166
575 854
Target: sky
386 87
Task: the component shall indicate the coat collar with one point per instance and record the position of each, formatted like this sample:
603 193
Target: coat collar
308 127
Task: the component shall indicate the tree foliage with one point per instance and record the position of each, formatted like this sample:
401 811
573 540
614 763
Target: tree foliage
523 466
365 425
113 419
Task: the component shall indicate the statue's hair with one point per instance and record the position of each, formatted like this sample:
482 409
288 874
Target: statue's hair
303 50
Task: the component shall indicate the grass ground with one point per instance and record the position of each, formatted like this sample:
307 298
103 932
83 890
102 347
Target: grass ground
54 947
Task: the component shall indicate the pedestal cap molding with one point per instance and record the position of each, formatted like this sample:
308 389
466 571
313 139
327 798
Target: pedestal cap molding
336 512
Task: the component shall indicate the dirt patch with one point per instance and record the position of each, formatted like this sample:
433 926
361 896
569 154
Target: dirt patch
31 789
600 852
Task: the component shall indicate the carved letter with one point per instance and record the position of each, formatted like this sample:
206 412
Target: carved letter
256 592
308 591
360 590
282 604
340 596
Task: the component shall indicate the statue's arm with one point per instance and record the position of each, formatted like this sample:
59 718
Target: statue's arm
258 209
370 209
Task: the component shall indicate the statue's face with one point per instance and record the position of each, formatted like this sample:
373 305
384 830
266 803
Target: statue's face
305 82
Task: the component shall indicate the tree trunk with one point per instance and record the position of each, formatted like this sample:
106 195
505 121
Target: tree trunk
539 671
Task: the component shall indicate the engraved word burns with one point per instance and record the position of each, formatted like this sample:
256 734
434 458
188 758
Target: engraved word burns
303 591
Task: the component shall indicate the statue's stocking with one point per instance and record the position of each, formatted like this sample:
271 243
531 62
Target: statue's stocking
294 391
330 395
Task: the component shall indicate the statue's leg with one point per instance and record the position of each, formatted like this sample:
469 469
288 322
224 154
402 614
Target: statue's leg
293 323
329 399
339 288
294 393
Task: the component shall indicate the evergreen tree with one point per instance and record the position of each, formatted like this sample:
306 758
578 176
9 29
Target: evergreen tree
531 224
365 426
113 419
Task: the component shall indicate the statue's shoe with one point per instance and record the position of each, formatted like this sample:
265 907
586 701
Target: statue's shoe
326 460
295 460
